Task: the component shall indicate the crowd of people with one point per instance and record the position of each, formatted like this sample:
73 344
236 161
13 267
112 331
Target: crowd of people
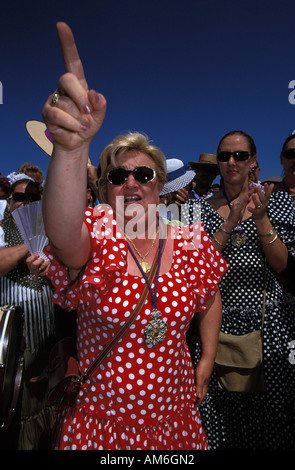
224 253
23 283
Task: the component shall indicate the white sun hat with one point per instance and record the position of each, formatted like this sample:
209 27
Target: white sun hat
177 176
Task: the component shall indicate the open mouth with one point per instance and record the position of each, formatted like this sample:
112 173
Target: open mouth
131 199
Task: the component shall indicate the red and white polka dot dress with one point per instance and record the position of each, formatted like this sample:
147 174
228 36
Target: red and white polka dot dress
141 397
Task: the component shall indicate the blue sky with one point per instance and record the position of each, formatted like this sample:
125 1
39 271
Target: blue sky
185 72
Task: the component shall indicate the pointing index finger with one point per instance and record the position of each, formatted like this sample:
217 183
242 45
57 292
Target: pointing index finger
70 53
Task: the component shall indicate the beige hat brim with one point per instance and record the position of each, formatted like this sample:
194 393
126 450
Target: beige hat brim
36 130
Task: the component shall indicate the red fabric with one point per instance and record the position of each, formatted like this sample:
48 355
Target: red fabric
141 397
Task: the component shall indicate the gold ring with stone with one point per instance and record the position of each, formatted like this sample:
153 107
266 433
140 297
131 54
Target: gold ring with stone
55 98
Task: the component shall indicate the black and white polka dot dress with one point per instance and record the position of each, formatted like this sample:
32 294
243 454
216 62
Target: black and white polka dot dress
235 420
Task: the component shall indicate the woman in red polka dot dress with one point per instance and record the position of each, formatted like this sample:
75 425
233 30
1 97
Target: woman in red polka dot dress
145 394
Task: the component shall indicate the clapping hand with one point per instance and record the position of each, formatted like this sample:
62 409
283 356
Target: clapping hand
238 208
259 201
256 200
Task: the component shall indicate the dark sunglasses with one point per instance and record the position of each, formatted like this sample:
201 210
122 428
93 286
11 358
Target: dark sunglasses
289 154
142 174
239 156
254 168
23 197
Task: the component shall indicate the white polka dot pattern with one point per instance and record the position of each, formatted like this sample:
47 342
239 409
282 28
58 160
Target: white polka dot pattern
237 420
139 392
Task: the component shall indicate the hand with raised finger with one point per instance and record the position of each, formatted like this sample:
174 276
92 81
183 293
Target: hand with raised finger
73 114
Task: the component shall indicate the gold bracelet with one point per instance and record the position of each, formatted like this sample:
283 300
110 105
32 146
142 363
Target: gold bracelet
214 238
273 240
268 234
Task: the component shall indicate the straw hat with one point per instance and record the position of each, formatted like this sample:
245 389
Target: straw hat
41 135
177 176
205 159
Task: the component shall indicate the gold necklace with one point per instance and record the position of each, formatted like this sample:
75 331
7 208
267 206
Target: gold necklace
145 266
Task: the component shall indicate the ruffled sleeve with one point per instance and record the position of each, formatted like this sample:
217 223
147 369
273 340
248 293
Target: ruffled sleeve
106 265
205 265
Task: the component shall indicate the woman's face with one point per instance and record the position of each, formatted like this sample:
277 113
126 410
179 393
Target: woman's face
289 164
132 196
235 171
19 188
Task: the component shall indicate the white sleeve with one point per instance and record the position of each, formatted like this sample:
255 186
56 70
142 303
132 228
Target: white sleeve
2 242
3 205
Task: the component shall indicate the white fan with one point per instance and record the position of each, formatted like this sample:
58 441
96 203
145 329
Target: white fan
29 221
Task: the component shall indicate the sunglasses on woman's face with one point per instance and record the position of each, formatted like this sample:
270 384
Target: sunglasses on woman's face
23 197
238 155
289 154
254 168
142 174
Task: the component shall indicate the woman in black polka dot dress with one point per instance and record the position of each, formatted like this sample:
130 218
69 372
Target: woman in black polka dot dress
231 419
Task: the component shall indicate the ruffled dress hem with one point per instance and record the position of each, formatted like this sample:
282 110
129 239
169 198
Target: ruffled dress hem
180 431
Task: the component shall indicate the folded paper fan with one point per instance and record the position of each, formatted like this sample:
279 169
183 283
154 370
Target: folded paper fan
29 220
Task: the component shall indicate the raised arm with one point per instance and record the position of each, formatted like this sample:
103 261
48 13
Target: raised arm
73 115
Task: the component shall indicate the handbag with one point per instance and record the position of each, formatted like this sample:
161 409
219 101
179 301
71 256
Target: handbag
64 376
239 363
239 359
12 344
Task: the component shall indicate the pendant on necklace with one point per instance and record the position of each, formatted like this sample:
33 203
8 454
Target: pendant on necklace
238 237
145 267
155 330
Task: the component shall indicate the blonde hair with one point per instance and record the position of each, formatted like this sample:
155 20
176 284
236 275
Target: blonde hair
122 143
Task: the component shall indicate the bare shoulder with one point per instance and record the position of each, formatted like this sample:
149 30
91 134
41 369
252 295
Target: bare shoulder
216 201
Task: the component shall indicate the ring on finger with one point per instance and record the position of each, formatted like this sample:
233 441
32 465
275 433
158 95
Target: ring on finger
55 97
259 206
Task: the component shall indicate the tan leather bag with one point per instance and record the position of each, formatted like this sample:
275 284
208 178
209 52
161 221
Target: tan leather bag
239 359
239 363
